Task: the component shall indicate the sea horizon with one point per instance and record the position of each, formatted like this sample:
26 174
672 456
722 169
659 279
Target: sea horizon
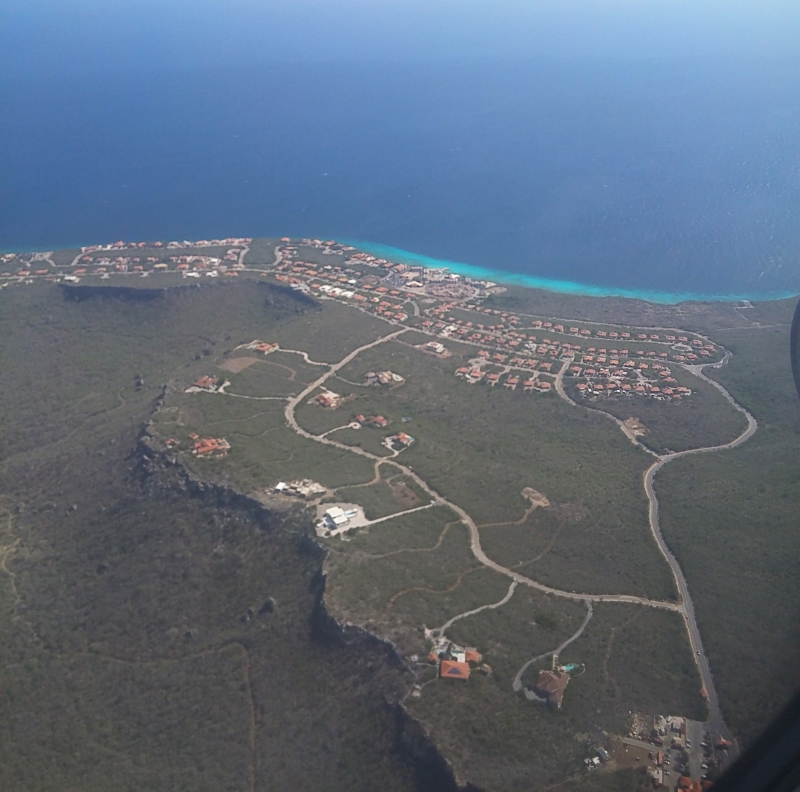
664 181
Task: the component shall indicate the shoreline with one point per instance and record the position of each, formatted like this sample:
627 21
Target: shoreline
549 284
504 277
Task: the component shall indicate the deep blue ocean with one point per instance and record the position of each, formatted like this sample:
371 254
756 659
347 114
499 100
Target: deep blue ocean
644 176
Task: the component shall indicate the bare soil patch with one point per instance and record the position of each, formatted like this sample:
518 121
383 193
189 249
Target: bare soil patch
405 494
237 364
536 498
572 511
636 426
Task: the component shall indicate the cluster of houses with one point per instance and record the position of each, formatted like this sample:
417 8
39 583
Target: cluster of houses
89 262
648 379
187 265
35 264
511 382
372 291
585 332
504 336
120 245
505 326
342 283
645 388
435 281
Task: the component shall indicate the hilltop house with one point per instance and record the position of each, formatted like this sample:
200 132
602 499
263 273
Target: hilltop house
551 686
211 446
452 669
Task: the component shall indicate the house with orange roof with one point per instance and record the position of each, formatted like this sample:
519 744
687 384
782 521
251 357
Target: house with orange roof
206 383
452 669
211 446
328 399
472 656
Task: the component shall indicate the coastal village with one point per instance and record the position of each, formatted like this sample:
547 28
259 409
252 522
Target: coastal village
507 351
513 351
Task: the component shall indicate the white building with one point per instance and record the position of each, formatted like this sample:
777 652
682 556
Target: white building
335 517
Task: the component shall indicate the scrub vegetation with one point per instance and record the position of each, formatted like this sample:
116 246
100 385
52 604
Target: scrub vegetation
173 638
732 520
154 640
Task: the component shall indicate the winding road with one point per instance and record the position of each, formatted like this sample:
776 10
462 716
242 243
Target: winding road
716 723
440 631
466 519
685 606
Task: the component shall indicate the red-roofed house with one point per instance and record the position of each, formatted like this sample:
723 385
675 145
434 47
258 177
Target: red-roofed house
451 669
472 656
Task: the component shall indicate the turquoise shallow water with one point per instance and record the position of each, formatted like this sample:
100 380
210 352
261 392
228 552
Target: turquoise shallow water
529 281
550 284
654 180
